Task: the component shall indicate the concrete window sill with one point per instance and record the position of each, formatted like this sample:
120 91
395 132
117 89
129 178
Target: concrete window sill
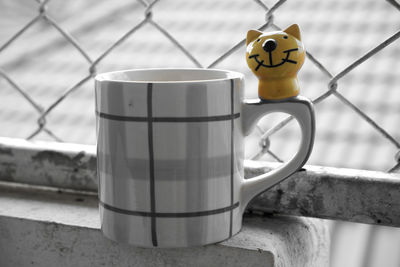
48 227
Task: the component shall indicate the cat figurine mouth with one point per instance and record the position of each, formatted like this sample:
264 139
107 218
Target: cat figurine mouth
271 65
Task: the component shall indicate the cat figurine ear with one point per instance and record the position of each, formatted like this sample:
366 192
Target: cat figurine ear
252 35
293 30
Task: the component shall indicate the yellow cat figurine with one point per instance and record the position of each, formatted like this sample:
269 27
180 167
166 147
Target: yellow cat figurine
275 58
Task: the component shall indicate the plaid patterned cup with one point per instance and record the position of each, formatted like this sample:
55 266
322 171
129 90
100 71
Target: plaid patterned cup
170 154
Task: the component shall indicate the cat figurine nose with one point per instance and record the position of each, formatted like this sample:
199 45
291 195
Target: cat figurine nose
269 45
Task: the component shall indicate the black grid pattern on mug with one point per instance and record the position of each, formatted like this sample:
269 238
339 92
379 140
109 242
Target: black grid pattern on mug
150 120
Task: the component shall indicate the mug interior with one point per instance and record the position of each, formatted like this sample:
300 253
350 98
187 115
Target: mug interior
168 75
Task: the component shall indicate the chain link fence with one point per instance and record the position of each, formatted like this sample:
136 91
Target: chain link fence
144 18
332 90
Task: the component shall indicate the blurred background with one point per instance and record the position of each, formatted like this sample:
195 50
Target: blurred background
50 51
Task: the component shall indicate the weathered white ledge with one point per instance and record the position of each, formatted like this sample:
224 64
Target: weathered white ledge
320 192
46 227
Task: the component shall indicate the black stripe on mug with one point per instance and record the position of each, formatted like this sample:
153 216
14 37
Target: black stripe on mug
151 162
232 155
168 119
169 214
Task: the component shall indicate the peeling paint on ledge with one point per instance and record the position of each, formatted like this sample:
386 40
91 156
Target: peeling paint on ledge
48 163
332 193
5 151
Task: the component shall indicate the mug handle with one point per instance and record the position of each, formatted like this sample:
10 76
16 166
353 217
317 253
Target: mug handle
302 110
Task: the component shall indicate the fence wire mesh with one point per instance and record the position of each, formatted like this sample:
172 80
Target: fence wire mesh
142 17
43 14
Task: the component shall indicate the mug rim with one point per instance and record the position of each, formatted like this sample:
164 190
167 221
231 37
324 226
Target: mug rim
225 75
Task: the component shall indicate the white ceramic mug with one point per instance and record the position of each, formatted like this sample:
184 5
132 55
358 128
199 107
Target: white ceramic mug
170 151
